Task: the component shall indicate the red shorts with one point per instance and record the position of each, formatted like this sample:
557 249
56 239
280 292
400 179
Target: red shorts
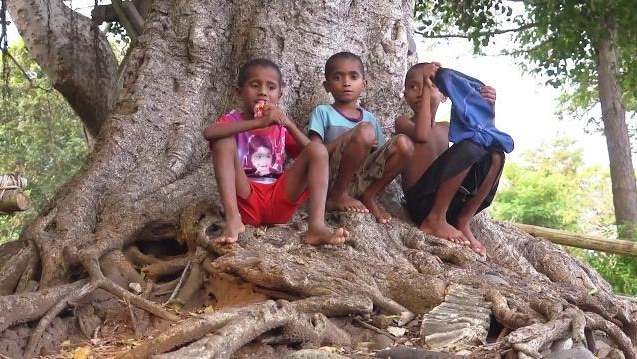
268 203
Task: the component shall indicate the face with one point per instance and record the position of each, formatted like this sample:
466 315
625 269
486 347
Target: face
262 84
261 159
413 92
346 82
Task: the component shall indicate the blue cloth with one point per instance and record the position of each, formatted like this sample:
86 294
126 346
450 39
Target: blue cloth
330 124
472 117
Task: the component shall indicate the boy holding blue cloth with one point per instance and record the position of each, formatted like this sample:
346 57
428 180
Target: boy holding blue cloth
447 186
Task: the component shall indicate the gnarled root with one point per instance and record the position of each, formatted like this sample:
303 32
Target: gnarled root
504 314
20 308
183 333
240 326
34 340
98 280
531 339
596 322
249 325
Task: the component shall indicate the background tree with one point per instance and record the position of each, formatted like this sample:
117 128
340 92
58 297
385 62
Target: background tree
586 46
40 137
144 202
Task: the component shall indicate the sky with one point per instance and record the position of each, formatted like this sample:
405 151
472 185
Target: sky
525 106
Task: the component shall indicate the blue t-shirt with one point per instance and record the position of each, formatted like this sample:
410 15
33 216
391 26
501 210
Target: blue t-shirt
328 123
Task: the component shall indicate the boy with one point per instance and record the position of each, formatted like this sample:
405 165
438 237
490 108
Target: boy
446 184
361 163
251 194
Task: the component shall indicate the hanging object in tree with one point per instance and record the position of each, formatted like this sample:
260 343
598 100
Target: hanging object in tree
12 198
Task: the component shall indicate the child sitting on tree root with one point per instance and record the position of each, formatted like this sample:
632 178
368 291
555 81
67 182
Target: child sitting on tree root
447 184
252 196
362 164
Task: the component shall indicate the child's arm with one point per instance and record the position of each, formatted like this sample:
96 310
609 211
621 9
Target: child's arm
216 131
419 129
299 137
277 116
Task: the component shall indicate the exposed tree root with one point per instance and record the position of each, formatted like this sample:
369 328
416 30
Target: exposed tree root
34 340
23 307
14 259
242 325
596 322
165 268
251 323
530 340
138 258
136 300
178 335
335 282
504 314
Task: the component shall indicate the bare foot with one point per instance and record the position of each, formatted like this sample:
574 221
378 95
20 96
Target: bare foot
230 233
444 230
378 211
344 203
324 235
475 244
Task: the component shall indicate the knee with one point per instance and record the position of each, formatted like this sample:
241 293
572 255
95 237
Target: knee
364 133
316 151
404 146
497 158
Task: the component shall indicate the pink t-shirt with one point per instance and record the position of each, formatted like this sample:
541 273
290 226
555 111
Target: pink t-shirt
262 151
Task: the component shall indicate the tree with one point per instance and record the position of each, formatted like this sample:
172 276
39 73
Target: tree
146 198
585 45
40 137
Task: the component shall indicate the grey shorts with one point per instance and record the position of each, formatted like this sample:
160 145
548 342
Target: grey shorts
370 171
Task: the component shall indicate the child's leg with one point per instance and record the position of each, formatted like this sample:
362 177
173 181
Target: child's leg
358 143
230 184
471 207
399 152
310 170
436 221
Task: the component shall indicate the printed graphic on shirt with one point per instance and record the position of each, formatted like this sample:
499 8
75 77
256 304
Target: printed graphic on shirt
261 151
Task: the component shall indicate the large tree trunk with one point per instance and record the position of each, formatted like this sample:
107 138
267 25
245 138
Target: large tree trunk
146 198
74 54
622 172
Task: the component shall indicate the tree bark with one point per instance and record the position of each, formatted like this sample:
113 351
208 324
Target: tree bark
136 204
622 172
74 54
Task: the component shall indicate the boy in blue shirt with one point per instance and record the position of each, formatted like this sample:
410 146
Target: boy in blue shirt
362 163
447 186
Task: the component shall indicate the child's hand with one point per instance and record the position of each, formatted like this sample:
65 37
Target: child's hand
272 114
429 72
488 93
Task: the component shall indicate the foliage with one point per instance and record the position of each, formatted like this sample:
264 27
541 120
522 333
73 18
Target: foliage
555 38
40 137
619 271
552 188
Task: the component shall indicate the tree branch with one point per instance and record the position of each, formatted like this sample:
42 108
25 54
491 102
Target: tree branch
74 54
480 34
